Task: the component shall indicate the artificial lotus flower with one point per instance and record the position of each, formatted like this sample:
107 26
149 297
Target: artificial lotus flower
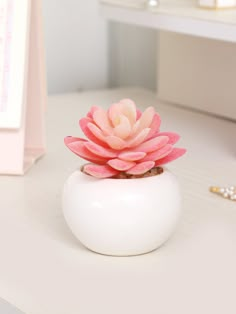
123 140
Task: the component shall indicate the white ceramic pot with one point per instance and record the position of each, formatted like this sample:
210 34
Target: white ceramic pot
122 217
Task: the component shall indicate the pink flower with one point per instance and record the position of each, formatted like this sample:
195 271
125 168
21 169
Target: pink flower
123 139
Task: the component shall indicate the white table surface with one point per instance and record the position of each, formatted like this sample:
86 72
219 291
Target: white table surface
44 269
6 308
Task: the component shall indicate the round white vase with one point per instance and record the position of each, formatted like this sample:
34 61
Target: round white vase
122 217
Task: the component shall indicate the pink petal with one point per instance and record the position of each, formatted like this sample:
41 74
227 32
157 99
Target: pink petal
173 137
123 129
71 139
100 171
79 149
114 113
96 132
138 114
100 151
153 144
135 129
129 110
91 112
100 117
115 142
121 165
159 153
84 121
176 153
139 138
155 126
84 126
141 168
132 156
146 118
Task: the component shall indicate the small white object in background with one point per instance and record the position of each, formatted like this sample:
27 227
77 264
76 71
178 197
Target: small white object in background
217 4
152 4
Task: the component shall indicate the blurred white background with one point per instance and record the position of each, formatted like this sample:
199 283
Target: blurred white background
76 45
86 52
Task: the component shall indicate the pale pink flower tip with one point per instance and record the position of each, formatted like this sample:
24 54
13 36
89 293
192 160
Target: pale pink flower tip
123 139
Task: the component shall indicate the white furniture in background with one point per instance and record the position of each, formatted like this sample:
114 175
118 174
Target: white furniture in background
217 4
44 270
181 16
193 69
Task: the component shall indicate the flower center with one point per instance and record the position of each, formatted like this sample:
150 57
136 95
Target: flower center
116 121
